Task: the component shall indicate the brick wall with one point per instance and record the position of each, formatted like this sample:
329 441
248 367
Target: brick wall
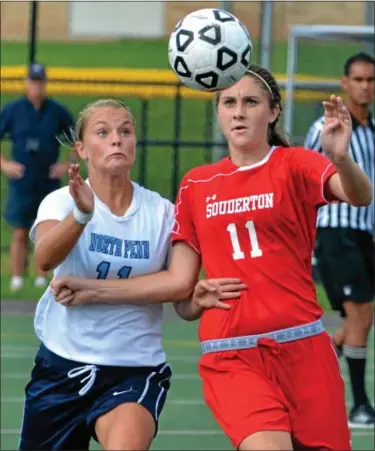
53 23
54 16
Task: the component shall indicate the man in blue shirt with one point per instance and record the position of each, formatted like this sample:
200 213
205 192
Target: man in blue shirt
32 124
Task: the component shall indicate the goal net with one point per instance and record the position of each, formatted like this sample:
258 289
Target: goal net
317 53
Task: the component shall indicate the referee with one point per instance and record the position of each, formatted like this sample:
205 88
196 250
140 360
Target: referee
345 244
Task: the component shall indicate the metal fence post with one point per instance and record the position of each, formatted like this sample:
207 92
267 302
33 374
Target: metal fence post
33 28
176 142
291 66
369 20
265 47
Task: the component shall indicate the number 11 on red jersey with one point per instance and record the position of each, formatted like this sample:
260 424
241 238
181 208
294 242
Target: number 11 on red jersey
238 254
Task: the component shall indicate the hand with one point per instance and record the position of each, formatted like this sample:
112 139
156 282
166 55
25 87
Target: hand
58 170
80 191
207 293
13 170
337 130
72 291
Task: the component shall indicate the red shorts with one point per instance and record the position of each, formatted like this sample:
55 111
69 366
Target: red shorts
295 387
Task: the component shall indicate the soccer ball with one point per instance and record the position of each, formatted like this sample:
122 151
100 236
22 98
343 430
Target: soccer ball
209 49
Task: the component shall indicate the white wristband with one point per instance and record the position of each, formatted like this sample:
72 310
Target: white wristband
80 217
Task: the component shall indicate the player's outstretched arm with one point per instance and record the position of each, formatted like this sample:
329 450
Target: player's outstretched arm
350 184
175 284
54 240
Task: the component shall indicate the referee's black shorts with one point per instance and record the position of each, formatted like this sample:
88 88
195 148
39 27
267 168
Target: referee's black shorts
345 260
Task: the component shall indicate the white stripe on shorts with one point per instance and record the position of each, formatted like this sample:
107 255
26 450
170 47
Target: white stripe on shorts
162 389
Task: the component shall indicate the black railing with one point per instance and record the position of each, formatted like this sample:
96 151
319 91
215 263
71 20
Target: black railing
144 141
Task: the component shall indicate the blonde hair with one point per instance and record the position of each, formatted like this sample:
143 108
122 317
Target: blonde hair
87 111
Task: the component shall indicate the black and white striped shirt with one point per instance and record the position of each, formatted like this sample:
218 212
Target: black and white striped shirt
362 152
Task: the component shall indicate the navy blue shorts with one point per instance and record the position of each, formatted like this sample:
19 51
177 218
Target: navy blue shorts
65 398
21 207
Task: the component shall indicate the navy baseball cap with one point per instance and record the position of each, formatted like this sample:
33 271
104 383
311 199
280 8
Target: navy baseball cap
37 72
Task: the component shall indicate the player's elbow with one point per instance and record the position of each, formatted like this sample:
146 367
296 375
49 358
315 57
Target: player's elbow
181 289
185 312
364 200
181 292
44 265
44 260
360 203
368 198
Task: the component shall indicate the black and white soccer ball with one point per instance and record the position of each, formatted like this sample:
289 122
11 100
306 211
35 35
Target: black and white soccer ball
209 49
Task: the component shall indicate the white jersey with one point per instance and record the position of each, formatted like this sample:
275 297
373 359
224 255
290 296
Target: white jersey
110 247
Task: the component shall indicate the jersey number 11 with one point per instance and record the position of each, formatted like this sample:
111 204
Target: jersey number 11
255 249
103 269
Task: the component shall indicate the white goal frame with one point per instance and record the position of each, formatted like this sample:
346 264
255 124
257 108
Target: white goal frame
317 32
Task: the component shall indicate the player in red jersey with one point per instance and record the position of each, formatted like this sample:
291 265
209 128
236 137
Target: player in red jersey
270 373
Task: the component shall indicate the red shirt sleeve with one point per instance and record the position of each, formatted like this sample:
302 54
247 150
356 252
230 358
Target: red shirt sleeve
184 226
314 170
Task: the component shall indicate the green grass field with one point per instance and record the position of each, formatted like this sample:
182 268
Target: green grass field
186 423
324 59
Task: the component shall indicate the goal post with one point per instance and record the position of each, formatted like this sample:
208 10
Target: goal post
363 34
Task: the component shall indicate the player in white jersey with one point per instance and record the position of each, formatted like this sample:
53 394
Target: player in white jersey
101 370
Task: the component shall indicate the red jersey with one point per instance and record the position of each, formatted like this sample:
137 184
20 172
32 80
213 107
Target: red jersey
256 223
